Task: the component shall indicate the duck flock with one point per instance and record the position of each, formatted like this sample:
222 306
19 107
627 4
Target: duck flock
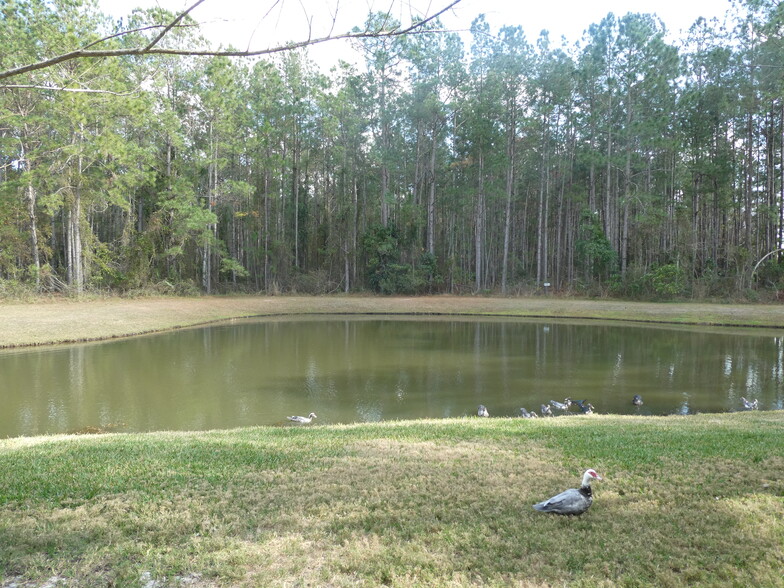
545 410
554 407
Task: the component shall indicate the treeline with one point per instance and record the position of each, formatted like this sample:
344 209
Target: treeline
621 165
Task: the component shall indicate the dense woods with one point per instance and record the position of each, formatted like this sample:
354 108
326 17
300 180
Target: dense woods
620 164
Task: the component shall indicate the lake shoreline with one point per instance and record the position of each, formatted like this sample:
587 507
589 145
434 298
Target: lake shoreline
57 321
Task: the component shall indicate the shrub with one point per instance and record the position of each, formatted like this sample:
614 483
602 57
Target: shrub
595 253
668 280
387 273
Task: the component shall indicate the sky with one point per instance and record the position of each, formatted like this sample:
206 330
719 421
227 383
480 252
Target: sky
255 24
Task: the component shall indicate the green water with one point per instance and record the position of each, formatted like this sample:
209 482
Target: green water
370 369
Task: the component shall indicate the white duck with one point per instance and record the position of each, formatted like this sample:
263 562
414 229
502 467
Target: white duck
574 501
302 419
545 410
482 412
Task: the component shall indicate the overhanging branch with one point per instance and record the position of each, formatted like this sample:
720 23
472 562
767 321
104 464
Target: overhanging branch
64 89
151 48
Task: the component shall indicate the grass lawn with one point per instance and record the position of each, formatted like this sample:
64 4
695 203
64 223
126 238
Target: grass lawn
685 501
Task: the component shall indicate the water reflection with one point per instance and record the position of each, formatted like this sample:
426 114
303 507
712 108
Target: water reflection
355 369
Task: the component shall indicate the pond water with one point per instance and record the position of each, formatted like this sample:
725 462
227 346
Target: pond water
349 369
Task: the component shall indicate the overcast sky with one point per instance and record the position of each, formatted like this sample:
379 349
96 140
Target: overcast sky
256 24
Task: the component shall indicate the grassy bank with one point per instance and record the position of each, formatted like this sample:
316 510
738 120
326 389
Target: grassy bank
68 320
695 501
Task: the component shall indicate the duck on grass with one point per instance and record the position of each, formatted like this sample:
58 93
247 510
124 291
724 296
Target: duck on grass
574 501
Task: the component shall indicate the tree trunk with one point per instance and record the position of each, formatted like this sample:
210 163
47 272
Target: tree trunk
431 197
74 255
212 180
627 175
541 230
480 224
511 154
31 203
74 243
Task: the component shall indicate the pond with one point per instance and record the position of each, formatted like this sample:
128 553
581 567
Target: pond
360 369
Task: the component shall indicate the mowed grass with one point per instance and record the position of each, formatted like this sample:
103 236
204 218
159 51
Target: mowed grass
685 501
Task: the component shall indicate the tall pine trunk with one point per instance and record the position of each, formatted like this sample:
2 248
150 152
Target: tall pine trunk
74 253
479 234
431 197
31 204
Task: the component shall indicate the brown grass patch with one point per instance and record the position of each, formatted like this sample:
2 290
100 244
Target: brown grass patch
383 512
389 510
66 320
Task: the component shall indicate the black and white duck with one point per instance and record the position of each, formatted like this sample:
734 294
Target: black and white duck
564 406
585 406
750 405
302 419
574 501
482 412
528 415
637 400
546 411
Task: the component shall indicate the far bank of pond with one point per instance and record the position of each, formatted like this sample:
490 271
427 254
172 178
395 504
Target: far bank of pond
65 320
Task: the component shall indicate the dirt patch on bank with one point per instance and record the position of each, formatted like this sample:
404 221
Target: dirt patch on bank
53 321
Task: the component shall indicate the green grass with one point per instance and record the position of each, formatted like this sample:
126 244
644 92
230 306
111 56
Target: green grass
686 501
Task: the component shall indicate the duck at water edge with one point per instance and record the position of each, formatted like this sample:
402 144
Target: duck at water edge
482 412
302 419
564 406
574 501
546 411
749 405
528 415
637 400
586 407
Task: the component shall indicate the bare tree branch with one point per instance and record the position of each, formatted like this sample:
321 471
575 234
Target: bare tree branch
152 49
138 30
171 25
63 89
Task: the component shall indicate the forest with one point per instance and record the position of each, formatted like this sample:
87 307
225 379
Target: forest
617 164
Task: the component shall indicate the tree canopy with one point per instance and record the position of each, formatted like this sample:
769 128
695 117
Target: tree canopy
620 164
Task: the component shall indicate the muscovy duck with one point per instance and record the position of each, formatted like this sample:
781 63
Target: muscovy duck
749 405
482 412
585 406
528 415
637 400
302 419
546 410
564 406
574 501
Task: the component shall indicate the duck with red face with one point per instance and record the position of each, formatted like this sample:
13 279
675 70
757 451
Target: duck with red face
574 501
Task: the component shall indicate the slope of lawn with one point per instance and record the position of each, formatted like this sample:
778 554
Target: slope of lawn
685 501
